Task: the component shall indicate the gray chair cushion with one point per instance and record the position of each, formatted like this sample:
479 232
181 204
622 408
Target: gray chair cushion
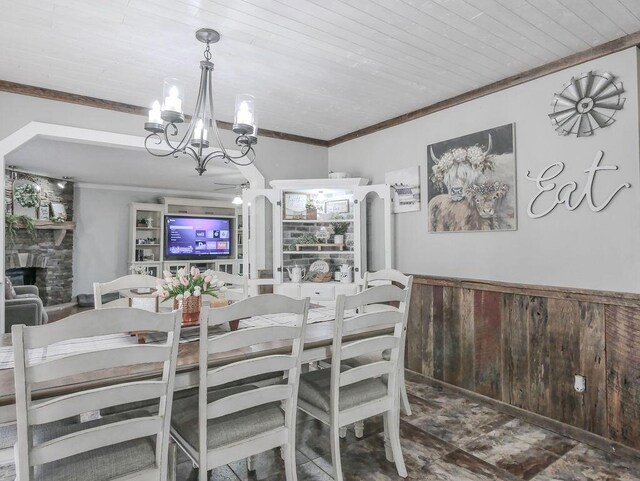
315 385
227 429
8 436
100 464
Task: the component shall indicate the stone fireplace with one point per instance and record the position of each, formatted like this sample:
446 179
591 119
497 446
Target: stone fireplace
42 260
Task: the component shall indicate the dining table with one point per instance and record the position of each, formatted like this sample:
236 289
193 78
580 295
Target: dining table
318 340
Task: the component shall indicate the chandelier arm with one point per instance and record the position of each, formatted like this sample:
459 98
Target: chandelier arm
158 142
246 150
166 136
205 78
216 154
215 123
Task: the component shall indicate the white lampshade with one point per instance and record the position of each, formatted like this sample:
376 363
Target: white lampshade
237 200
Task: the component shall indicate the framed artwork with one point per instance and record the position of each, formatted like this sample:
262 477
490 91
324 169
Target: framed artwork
471 182
336 206
43 212
295 205
406 189
58 210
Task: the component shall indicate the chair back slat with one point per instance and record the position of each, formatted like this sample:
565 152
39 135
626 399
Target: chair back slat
368 371
98 323
254 306
366 346
250 368
369 320
251 336
87 328
132 281
375 295
249 399
122 302
97 360
77 403
94 438
385 276
291 338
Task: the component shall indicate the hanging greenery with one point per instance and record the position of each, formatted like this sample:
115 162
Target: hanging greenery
14 222
27 195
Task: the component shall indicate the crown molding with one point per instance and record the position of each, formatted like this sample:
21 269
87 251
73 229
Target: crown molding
617 45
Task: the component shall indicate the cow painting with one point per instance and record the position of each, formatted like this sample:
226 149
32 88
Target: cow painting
471 182
477 211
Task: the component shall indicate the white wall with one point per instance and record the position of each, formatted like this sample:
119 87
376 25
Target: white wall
573 249
102 216
101 237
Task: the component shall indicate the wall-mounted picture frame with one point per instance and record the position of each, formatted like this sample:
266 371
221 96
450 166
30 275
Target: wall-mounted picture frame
471 182
336 206
406 189
43 212
58 210
295 206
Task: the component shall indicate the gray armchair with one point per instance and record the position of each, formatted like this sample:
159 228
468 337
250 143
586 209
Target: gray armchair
26 308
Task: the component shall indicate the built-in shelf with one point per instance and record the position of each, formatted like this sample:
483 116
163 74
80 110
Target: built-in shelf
147 245
307 221
147 228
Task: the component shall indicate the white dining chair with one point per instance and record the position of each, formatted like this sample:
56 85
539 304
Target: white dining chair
124 283
223 424
237 286
384 277
341 396
131 446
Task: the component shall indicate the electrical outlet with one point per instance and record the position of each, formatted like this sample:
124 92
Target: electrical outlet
580 383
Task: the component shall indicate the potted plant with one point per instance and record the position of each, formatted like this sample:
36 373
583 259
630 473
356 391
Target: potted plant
186 289
340 228
312 211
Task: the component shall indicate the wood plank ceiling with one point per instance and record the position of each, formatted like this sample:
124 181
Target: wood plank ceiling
318 68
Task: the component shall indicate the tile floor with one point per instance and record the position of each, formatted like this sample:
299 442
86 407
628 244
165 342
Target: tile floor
448 438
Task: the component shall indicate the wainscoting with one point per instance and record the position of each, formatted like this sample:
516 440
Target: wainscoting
523 345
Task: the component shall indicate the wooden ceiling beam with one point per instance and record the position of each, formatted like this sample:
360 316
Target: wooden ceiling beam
49 94
622 43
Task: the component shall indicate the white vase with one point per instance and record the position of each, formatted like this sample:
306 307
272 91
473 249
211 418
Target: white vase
338 239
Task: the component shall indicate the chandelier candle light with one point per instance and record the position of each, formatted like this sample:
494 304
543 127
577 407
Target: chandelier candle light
163 119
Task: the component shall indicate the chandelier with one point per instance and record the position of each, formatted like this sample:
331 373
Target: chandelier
163 121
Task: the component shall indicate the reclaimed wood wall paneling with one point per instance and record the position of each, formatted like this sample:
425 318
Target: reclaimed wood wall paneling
525 349
623 374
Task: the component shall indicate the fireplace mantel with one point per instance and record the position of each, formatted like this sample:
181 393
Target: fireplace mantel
60 228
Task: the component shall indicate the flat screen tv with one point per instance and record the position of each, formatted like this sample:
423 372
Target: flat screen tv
194 238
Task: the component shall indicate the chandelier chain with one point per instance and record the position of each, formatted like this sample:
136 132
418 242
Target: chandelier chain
207 52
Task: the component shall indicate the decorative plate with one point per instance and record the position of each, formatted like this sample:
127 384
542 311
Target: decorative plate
319 266
586 103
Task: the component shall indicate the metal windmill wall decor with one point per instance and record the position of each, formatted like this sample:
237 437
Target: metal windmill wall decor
586 103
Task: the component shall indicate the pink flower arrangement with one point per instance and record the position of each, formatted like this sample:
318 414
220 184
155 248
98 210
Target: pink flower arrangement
186 284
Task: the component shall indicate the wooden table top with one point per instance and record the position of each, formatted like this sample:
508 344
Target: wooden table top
318 335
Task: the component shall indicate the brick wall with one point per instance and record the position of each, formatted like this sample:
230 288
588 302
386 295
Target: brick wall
292 232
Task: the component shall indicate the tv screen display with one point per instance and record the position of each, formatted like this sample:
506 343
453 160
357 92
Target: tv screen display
197 237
